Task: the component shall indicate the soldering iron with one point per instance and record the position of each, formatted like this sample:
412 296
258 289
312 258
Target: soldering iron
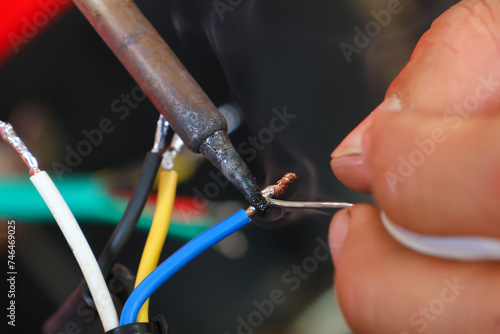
171 88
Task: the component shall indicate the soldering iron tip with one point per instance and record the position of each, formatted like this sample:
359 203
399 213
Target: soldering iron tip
221 153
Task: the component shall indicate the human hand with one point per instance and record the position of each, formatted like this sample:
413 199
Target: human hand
430 156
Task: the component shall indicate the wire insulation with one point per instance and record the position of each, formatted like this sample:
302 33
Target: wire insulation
80 248
158 233
178 260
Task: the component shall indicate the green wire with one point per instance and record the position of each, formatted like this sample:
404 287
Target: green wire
88 199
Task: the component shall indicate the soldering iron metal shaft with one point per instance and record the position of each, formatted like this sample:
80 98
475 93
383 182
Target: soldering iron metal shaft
170 87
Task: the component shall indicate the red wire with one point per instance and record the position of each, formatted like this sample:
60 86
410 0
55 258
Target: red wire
21 21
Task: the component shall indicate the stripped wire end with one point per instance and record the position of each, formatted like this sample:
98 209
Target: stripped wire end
280 187
162 127
171 153
275 190
10 136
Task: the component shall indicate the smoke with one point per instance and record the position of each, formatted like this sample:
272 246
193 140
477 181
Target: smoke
305 188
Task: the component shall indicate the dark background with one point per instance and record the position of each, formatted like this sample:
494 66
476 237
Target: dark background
262 55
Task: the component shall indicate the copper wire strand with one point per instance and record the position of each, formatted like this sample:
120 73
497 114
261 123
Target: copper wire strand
279 189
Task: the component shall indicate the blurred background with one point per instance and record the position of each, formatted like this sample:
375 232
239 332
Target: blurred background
316 68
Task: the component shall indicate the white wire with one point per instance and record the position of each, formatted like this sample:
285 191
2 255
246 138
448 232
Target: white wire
465 248
80 248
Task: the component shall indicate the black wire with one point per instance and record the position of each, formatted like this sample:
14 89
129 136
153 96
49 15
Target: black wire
129 220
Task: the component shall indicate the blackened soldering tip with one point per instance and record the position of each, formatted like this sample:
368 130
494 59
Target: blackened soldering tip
220 152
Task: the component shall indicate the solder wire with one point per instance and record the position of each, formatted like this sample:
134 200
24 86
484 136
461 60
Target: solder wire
305 205
70 229
157 233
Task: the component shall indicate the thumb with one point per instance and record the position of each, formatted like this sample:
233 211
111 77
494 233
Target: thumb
454 67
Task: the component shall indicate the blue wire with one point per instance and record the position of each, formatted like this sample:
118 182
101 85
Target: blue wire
178 260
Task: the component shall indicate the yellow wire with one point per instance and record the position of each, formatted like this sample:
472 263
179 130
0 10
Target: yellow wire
157 233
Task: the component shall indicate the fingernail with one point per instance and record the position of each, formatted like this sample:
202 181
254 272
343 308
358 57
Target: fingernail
352 144
391 103
338 232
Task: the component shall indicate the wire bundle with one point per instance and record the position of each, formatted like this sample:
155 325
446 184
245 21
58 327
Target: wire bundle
149 278
135 205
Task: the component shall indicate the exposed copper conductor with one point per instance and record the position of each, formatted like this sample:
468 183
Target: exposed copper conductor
280 187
